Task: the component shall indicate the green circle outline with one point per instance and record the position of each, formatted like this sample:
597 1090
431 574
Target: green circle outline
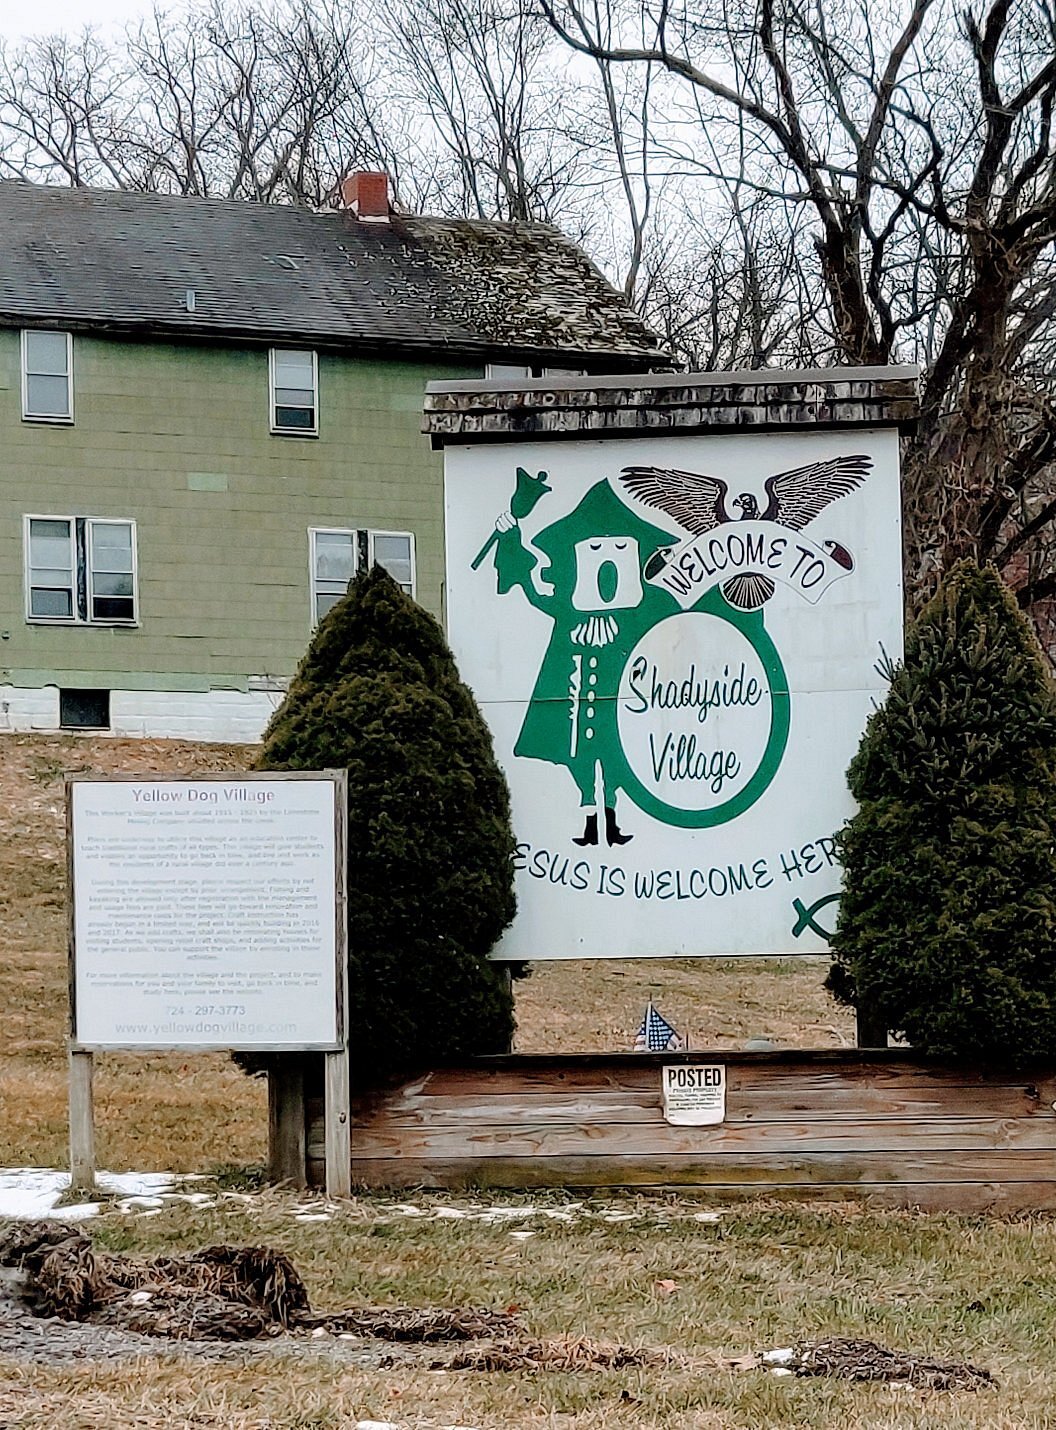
780 721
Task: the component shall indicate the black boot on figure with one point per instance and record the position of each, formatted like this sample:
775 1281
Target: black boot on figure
590 832
612 829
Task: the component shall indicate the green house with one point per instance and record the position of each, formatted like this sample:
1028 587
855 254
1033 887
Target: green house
210 417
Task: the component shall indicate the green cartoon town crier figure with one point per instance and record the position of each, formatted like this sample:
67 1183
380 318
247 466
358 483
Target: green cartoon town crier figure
601 606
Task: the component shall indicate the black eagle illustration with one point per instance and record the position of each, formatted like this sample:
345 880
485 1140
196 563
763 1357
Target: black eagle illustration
793 499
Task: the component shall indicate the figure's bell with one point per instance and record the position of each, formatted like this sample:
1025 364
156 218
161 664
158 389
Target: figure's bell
608 574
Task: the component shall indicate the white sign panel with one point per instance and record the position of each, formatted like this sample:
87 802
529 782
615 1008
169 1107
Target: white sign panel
207 913
694 1094
676 642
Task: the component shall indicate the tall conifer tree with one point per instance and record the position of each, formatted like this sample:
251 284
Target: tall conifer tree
947 926
430 873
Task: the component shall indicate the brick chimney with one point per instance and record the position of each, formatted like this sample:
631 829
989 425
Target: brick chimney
367 195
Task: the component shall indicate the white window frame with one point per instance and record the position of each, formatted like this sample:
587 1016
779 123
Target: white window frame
278 431
363 544
51 418
76 619
313 592
90 524
371 535
27 549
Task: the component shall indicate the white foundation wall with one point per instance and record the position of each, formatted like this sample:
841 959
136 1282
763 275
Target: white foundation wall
221 716
28 710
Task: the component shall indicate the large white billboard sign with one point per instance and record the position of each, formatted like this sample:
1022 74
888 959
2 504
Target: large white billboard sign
676 642
207 913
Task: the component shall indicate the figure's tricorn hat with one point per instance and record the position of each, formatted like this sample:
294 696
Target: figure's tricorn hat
600 513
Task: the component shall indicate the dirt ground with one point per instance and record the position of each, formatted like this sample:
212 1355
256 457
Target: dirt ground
196 1113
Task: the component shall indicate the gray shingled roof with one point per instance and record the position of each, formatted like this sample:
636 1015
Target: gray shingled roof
90 258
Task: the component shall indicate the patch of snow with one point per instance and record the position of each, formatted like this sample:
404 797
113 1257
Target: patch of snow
782 1356
136 1184
32 1193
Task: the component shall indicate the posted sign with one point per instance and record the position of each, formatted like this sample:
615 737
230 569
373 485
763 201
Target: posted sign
694 1094
676 642
208 913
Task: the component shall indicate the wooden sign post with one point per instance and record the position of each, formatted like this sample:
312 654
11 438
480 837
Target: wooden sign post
209 913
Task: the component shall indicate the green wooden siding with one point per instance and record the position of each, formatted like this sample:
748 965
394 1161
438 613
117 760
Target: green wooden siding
176 436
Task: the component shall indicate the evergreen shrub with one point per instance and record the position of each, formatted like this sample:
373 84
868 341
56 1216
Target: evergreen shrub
947 924
430 849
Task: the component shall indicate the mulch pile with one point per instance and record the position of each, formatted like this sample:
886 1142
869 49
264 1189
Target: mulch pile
231 1293
866 1360
399 1323
557 1355
224 1293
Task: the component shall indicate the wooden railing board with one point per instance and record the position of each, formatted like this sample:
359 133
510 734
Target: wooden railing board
547 1140
809 1080
722 1170
968 1198
755 1105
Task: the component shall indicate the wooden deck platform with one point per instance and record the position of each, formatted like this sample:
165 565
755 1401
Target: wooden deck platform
842 1123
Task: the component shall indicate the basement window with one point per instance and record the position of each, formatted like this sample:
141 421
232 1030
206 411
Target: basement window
84 709
80 570
337 553
47 376
294 391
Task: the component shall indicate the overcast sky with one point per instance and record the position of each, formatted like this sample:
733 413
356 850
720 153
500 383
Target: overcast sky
44 17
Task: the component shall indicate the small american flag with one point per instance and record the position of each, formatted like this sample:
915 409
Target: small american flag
656 1035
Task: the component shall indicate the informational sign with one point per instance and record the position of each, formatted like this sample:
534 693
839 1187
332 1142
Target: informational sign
208 913
676 642
694 1094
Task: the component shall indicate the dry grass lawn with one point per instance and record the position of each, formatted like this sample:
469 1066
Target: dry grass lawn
193 1114
760 1276
154 1111
756 1278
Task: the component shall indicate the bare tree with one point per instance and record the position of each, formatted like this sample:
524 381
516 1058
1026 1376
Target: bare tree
472 81
256 104
919 140
64 114
727 287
